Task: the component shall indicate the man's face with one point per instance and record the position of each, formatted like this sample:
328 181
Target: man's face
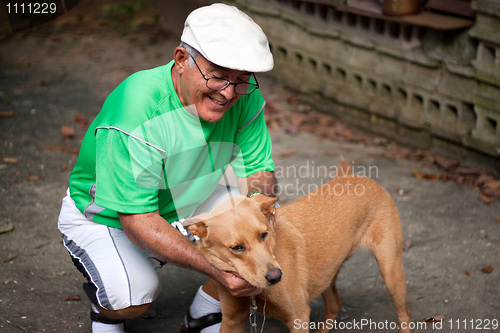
192 89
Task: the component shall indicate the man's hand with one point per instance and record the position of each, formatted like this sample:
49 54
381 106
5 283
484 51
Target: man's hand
262 181
238 286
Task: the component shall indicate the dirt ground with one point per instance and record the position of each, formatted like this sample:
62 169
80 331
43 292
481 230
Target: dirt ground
55 78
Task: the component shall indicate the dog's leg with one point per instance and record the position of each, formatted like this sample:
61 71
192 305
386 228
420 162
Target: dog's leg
394 277
300 321
333 303
389 254
235 312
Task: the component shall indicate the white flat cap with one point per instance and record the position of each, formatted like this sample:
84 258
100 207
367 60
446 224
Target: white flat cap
227 37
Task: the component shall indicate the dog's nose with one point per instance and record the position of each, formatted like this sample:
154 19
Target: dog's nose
273 275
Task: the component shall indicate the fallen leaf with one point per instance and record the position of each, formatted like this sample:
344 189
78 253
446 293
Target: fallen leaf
491 188
82 120
10 160
61 148
7 227
20 327
64 167
445 163
8 114
485 198
73 298
67 132
434 319
422 175
10 257
24 63
421 155
467 273
402 152
296 122
487 269
346 133
32 178
469 172
460 180
288 152
60 273
407 244
498 218
484 177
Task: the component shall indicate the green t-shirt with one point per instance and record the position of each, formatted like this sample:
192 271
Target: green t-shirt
146 152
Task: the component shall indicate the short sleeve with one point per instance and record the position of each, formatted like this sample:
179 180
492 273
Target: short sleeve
128 172
253 142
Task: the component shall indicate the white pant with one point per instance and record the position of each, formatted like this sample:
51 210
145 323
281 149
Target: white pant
121 273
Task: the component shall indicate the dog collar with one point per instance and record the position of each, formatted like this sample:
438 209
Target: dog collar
249 195
276 205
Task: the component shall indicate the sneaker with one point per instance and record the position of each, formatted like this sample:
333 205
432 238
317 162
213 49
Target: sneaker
192 325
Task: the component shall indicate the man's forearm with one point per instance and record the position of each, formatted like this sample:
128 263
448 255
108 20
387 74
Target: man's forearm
155 235
262 181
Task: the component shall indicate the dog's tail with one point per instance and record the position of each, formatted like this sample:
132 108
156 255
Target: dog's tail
345 168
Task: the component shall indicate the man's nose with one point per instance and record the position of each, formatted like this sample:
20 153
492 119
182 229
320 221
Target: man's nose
229 92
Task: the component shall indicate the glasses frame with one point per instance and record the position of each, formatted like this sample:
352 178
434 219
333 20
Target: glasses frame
250 85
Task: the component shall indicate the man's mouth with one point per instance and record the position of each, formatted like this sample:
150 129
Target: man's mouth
221 103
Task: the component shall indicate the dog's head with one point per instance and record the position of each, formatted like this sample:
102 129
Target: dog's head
238 236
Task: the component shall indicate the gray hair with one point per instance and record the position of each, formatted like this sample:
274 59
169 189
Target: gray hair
192 51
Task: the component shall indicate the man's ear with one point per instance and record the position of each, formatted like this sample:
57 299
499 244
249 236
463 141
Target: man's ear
181 57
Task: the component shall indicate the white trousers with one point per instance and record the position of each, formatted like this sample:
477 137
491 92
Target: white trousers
119 273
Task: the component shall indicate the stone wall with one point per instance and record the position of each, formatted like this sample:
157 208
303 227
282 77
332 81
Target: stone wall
432 82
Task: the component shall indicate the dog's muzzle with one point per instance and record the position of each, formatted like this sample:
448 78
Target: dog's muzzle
274 275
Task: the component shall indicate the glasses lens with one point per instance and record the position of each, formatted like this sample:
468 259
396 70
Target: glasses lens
216 83
245 88
241 88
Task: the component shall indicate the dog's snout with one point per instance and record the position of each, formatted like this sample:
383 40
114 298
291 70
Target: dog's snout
273 275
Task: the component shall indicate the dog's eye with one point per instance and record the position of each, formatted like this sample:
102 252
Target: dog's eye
263 236
238 248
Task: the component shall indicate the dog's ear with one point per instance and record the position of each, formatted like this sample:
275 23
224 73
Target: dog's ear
266 205
196 225
199 229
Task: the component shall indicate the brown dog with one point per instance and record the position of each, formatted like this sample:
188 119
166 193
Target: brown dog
303 244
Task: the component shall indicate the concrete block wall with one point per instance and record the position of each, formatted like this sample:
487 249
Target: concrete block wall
416 84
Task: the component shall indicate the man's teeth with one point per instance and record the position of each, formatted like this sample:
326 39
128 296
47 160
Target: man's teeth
217 102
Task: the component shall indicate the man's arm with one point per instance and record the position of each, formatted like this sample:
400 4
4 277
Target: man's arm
262 181
152 233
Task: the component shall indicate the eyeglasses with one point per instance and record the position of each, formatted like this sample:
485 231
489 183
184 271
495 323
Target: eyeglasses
217 83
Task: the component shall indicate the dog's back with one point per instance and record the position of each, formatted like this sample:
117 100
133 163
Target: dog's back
336 219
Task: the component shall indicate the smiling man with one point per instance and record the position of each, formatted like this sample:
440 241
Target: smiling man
155 155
